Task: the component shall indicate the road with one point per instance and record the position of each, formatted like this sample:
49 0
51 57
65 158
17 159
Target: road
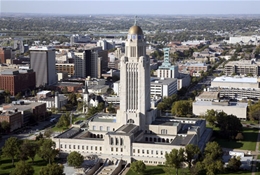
33 130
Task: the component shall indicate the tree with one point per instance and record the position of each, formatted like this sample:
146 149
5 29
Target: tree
229 125
234 164
48 132
11 148
75 159
239 136
52 169
111 109
213 150
22 168
175 158
28 149
211 117
47 150
190 152
182 107
18 96
64 121
5 126
138 166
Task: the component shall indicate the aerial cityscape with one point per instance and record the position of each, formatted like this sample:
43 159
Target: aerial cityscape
129 87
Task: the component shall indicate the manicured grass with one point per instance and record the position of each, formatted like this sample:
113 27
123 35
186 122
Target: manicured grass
239 172
162 170
6 165
248 143
56 129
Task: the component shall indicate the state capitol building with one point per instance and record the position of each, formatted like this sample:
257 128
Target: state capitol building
136 132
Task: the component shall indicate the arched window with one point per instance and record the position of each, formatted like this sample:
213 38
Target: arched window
121 141
167 140
146 139
116 141
111 141
154 139
130 121
151 139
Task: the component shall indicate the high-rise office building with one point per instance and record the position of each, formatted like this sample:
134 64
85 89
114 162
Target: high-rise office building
91 62
42 61
5 53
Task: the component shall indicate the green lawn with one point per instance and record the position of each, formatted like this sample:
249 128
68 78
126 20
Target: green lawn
161 170
6 165
248 143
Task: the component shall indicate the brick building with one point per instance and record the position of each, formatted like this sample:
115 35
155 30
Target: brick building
14 118
5 53
17 80
36 110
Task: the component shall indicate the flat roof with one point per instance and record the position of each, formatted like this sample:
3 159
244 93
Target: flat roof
231 104
208 95
25 106
104 117
236 79
165 81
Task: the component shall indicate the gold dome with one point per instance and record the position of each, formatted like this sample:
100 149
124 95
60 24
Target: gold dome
135 30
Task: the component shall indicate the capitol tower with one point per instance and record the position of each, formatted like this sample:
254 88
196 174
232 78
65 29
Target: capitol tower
134 81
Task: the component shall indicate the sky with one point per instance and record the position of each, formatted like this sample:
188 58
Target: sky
145 7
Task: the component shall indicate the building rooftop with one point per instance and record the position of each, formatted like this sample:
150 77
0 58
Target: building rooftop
224 103
208 95
236 79
163 81
25 106
182 141
104 117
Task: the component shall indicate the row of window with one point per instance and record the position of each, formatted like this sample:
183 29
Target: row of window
116 149
82 147
152 152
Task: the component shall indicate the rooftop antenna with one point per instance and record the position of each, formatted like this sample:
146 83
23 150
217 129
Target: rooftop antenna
135 20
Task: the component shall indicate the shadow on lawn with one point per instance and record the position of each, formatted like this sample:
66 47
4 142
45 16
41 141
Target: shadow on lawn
154 171
249 134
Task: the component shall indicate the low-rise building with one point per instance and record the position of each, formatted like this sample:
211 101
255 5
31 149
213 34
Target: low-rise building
163 87
245 67
238 109
14 118
17 80
35 111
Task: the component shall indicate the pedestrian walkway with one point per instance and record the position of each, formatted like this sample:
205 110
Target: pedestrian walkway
256 153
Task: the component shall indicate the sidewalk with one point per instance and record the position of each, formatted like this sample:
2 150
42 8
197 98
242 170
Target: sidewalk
256 154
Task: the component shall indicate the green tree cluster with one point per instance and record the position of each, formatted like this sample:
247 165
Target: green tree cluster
138 167
94 110
75 159
52 169
229 125
254 111
166 103
211 162
64 120
176 157
182 108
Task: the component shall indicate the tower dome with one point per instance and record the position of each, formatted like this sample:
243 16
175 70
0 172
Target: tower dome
135 30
